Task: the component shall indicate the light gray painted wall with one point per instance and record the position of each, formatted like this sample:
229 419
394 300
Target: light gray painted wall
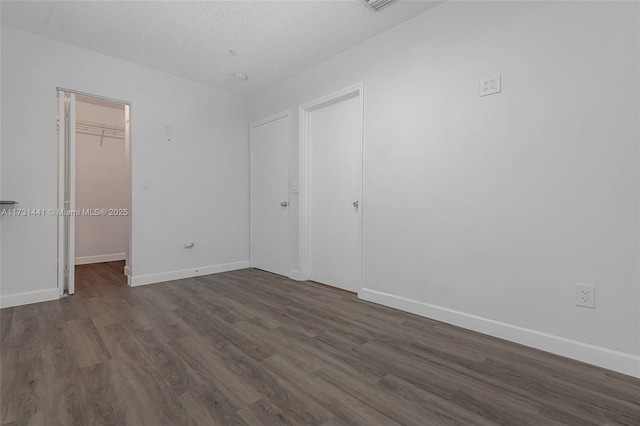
493 207
496 206
199 181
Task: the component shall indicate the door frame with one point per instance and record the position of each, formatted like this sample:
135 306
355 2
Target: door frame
284 114
305 110
66 247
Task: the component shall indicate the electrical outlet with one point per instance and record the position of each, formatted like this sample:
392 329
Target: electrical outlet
490 85
586 295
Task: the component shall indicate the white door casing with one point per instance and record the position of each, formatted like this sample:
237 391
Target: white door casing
67 187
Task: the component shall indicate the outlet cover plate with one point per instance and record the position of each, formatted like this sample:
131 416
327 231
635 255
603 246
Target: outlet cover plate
491 85
586 296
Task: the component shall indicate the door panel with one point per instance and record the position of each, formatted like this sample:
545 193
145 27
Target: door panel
269 190
127 150
66 193
333 188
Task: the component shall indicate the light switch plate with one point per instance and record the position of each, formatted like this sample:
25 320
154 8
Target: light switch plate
491 85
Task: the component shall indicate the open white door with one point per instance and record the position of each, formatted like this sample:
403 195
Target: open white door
127 147
66 192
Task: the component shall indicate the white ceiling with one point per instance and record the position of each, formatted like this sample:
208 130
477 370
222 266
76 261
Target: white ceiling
273 40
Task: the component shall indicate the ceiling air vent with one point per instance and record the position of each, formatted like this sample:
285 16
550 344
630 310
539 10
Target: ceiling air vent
376 5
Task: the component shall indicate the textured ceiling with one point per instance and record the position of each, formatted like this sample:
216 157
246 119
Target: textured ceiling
273 40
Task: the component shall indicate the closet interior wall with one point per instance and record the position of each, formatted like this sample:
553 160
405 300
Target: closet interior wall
100 182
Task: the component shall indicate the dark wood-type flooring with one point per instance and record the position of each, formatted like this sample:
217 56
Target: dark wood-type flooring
252 348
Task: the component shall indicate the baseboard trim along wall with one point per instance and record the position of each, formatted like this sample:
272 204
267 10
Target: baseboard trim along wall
187 273
85 260
29 297
602 357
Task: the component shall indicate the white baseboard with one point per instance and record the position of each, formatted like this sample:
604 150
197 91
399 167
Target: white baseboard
29 297
85 260
293 274
187 273
602 357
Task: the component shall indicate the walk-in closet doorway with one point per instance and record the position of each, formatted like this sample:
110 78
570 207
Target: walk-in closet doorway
94 192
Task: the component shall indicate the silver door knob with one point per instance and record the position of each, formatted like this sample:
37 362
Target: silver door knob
355 204
284 204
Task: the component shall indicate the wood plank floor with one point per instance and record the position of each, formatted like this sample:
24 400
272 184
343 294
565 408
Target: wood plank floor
252 348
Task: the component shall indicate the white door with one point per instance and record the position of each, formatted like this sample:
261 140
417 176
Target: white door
333 186
127 150
66 192
270 141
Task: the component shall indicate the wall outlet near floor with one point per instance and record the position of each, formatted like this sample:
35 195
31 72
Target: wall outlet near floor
189 245
490 85
586 295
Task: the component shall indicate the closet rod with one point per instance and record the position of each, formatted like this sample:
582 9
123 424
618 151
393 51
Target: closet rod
98 134
97 126
100 130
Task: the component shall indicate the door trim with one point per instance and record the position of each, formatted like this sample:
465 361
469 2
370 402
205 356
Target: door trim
91 95
68 227
253 125
270 119
356 90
